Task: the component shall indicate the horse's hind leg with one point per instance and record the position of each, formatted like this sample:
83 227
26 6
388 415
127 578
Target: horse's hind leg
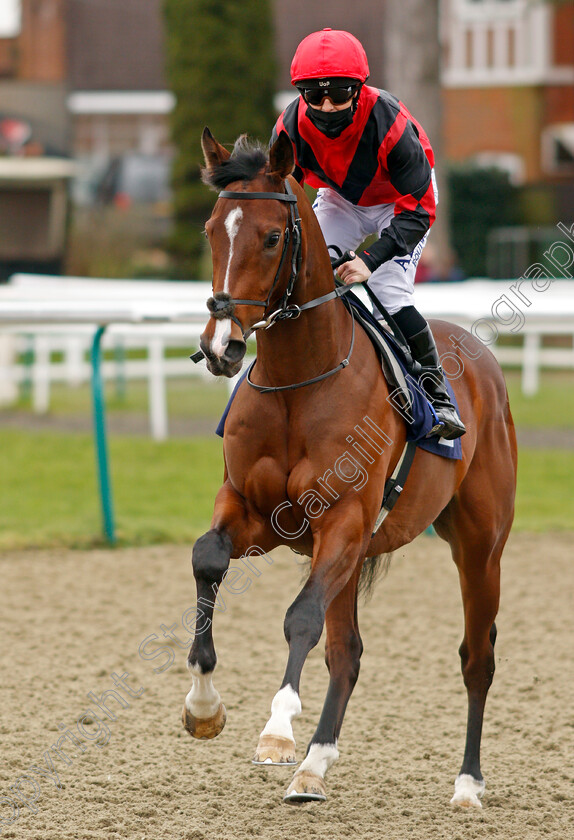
343 650
476 524
480 593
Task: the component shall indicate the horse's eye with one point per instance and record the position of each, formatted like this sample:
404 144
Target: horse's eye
272 239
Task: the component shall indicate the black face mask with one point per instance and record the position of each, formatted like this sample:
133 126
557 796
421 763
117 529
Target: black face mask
331 123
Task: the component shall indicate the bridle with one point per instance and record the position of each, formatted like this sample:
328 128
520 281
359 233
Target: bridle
222 305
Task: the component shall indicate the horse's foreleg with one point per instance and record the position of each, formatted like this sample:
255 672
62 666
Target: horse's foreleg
343 651
203 712
303 627
336 553
234 531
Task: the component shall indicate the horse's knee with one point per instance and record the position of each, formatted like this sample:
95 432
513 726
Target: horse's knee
210 557
304 620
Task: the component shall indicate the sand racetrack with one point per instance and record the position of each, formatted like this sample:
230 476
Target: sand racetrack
71 619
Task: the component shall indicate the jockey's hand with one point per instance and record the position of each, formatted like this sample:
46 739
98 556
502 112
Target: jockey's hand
354 271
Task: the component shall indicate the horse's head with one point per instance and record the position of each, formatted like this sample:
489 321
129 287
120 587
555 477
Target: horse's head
254 243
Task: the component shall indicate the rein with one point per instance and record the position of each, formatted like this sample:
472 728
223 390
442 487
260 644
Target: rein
222 305
268 389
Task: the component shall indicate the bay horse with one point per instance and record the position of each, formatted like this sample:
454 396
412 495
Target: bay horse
315 381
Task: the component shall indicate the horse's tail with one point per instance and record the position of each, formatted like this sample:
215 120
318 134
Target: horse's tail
373 569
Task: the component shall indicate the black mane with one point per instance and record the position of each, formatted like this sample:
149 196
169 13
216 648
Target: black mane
247 160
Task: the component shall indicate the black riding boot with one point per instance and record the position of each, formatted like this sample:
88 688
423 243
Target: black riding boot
424 351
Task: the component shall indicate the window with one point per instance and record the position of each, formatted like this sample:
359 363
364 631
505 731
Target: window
10 15
508 162
496 42
558 149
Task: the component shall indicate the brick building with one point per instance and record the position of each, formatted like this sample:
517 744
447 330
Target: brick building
508 83
90 77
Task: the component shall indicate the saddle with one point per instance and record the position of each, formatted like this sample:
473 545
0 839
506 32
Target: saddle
383 339
406 394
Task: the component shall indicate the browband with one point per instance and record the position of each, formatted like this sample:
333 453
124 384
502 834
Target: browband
292 199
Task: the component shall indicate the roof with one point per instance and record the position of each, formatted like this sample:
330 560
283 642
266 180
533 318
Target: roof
121 102
35 169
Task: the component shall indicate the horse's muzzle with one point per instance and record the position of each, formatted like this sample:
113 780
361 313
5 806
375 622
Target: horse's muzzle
228 364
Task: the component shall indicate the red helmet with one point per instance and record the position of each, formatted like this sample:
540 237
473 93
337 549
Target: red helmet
331 52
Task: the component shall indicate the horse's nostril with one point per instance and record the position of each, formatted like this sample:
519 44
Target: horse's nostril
204 347
235 351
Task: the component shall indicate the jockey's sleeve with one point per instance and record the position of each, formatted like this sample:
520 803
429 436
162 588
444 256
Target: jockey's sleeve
415 207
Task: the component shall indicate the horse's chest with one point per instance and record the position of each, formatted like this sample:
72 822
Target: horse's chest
262 465
255 460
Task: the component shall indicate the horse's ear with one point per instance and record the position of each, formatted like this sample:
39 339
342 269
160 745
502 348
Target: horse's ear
281 160
213 151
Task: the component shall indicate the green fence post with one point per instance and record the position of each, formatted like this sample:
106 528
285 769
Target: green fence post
102 461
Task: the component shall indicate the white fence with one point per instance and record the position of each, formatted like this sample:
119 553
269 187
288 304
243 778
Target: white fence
48 315
37 368
531 311
41 317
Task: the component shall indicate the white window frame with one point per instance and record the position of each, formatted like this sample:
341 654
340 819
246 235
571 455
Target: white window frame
532 25
510 162
481 10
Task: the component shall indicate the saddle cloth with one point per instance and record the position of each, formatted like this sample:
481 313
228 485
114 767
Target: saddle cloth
408 399
407 396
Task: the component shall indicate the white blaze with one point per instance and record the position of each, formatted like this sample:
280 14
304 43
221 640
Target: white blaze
231 226
222 332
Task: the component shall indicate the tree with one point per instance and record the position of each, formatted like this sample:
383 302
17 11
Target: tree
221 69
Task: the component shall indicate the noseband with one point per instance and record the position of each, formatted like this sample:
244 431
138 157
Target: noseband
222 305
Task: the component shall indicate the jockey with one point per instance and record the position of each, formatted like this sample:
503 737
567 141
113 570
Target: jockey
373 166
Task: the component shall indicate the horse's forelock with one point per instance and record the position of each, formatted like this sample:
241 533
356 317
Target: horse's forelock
247 160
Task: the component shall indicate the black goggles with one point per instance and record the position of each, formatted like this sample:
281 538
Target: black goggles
337 95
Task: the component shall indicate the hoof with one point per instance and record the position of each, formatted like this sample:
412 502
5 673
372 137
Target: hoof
467 791
275 750
305 787
204 728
